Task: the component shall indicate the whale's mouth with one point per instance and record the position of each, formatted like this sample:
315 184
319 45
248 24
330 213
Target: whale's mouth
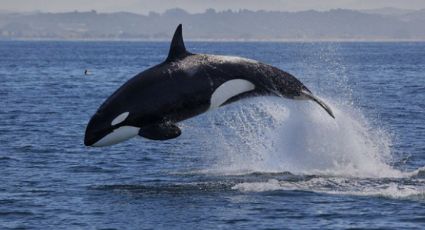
89 140
92 136
96 130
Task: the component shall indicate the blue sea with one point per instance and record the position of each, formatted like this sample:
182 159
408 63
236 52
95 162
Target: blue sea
259 163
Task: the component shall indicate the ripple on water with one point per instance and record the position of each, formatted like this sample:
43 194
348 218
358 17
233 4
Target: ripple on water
89 169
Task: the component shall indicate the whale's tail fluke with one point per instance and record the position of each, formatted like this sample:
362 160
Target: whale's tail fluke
310 96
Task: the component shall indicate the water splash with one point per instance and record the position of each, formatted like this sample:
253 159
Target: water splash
275 135
412 189
346 155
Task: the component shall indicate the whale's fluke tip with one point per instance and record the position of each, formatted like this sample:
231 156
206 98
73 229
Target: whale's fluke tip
318 101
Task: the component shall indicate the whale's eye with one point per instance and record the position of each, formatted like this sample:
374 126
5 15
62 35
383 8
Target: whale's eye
120 118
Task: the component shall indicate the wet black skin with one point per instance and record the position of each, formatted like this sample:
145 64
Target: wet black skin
181 88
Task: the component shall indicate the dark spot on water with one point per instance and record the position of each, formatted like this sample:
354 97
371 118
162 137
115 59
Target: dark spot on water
421 174
235 221
189 188
6 159
8 201
89 169
16 213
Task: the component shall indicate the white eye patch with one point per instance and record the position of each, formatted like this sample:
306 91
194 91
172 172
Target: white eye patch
120 118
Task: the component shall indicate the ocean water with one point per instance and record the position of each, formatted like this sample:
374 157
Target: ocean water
260 163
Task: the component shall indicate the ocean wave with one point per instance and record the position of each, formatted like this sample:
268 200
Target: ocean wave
411 189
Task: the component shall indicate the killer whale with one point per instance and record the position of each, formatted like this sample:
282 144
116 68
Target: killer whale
183 86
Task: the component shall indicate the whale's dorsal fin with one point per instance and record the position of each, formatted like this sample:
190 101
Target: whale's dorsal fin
177 48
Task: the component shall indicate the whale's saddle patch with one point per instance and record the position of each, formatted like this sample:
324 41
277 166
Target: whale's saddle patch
163 131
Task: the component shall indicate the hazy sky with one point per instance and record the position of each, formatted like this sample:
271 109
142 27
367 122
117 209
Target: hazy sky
144 6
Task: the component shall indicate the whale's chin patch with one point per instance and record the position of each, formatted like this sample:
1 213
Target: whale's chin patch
118 135
228 90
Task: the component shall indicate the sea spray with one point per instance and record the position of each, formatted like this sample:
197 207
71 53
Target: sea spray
273 135
342 156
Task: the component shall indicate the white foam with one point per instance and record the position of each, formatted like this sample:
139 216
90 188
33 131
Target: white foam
345 156
270 185
338 186
275 135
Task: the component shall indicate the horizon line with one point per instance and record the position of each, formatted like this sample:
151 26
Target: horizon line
336 40
205 11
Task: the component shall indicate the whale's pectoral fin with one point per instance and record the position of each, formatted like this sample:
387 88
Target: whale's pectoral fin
163 131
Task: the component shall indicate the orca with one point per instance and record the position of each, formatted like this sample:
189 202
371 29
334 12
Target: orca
183 86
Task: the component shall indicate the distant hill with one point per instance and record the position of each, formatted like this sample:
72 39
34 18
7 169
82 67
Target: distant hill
388 11
339 24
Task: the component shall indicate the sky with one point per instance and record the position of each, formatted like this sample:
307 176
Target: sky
195 6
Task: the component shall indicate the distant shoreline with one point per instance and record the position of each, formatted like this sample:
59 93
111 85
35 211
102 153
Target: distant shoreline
338 25
213 40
